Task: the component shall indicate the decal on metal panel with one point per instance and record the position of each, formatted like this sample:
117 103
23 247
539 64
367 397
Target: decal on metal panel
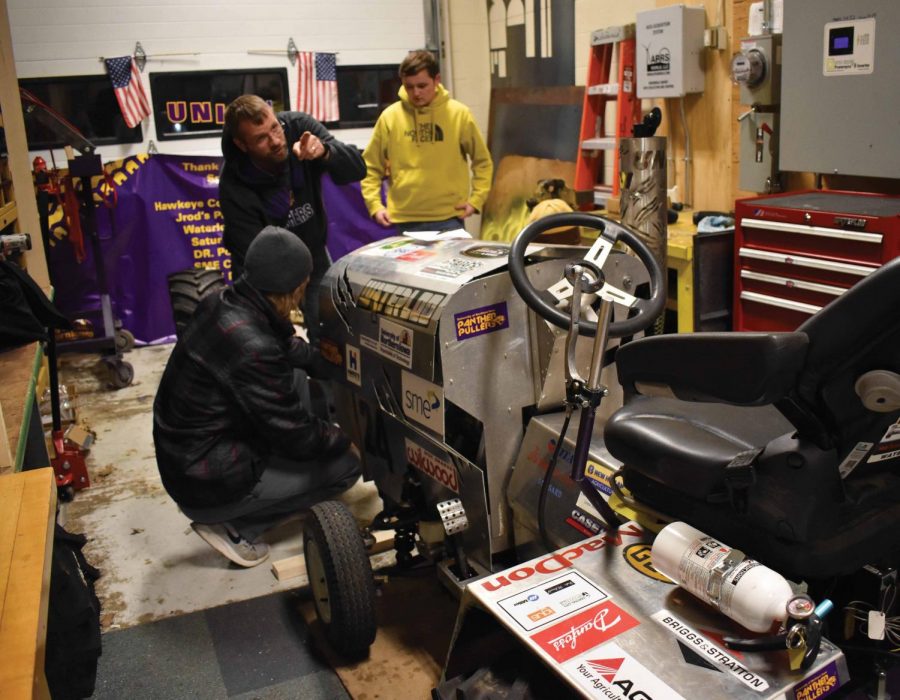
422 402
561 559
551 600
354 365
395 342
400 301
330 351
486 251
889 445
429 463
485 319
703 645
452 268
818 684
852 460
584 631
610 672
638 558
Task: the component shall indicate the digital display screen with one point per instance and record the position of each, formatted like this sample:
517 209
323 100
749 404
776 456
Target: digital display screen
840 41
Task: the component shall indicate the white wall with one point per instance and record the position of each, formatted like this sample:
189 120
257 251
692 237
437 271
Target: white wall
67 37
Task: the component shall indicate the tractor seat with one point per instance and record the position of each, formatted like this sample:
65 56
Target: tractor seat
689 444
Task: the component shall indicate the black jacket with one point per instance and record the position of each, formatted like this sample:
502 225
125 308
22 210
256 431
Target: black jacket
227 400
252 199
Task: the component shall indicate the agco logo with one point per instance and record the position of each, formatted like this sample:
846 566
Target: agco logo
608 670
638 558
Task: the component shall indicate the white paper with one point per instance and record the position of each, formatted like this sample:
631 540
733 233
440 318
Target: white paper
438 235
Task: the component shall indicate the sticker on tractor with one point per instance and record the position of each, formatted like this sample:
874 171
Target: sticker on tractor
428 463
600 475
561 559
709 650
485 319
354 365
889 445
330 351
422 402
394 342
582 632
820 684
610 672
400 301
453 268
638 558
487 251
561 596
857 455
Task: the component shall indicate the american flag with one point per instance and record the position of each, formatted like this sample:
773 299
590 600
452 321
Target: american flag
317 85
129 90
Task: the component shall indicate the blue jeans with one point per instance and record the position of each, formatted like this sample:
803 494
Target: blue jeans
445 225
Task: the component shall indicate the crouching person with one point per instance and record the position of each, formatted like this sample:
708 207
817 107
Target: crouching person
236 447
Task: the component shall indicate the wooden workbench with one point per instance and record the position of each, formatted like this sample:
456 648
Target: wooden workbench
18 379
27 517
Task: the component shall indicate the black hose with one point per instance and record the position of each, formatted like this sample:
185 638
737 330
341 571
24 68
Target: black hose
545 486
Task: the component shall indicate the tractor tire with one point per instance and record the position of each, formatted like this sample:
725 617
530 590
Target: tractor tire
186 289
340 576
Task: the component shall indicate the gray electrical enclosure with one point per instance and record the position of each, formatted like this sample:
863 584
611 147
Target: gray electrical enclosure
840 94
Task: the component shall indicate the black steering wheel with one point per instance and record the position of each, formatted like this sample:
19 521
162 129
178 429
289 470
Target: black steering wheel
544 303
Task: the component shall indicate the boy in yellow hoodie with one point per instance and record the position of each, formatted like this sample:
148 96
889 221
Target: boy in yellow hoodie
421 145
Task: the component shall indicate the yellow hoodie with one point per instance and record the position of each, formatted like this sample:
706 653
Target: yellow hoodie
424 151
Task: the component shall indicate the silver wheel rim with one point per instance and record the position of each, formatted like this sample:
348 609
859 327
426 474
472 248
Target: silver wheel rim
316 572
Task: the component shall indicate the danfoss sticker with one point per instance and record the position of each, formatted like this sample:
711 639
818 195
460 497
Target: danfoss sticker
485 319
582 632
610 672
438 469
562 559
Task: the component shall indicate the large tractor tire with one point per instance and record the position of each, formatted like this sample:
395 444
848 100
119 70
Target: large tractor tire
187 288
340 576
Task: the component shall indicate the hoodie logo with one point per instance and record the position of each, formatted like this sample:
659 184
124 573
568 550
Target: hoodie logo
425 133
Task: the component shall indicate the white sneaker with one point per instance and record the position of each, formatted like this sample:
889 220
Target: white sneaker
225 540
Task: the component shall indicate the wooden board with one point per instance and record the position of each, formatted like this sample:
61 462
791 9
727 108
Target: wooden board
18 369
27 516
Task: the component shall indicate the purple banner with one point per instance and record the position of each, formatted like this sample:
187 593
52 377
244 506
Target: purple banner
166 218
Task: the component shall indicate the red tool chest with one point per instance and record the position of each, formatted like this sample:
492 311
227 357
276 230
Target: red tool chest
796 252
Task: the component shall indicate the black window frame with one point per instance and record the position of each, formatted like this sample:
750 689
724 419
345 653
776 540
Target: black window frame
110 110
161 93
387 96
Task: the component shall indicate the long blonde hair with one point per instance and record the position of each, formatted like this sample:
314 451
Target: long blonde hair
286 302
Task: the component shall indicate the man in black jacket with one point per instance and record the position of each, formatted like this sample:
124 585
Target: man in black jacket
236 448
272 176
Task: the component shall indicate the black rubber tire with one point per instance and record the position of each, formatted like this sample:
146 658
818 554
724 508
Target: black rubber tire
340 576
187 288
121 374
124 340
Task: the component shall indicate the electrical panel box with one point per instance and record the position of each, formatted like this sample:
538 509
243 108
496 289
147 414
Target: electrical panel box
839 93
670 51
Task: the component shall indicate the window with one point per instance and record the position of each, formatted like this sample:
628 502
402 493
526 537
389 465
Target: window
364 92
87 102
191 104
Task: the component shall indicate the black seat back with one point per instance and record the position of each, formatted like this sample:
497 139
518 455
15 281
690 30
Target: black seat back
857 333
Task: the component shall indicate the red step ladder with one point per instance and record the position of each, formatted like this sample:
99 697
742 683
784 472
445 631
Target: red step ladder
594 145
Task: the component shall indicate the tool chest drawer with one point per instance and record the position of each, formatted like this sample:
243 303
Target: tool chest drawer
797 252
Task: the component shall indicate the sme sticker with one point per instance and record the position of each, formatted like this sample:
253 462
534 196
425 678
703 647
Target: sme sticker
485 319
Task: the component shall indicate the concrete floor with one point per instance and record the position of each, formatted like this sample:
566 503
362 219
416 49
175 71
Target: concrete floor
153 564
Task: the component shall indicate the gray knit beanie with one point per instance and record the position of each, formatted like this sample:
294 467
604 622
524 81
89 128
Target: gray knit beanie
277 261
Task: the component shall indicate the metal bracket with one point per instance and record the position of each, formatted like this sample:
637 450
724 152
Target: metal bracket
140 56
292 51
